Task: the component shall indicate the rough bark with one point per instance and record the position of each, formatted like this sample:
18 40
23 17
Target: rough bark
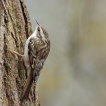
15 28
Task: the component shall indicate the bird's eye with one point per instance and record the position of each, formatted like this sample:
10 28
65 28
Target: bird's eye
38 29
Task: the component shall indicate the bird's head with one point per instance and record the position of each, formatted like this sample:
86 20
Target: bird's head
41 32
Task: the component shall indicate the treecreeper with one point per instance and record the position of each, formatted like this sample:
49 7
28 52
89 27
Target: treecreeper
36 50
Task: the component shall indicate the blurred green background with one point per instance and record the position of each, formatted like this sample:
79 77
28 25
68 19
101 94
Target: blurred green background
75 71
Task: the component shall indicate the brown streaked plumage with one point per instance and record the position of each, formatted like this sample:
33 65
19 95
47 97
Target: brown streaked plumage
38 50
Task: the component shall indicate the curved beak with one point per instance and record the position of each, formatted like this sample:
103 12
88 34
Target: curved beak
35 21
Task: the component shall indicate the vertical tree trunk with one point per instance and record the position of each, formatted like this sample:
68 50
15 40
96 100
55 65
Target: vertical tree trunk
14 30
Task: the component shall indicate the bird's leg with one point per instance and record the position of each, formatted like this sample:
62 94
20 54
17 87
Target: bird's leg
14 52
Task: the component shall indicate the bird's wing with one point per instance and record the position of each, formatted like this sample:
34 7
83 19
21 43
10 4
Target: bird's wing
33 52
37 56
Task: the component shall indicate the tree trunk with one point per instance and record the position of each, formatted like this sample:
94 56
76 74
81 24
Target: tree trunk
14 30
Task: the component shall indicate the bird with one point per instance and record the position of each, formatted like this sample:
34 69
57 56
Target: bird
36 50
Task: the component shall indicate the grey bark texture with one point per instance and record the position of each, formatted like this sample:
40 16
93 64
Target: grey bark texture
15 28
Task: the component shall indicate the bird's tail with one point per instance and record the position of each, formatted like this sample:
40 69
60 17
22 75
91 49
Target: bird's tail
27 87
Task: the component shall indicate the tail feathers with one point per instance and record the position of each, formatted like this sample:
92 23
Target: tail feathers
27 87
